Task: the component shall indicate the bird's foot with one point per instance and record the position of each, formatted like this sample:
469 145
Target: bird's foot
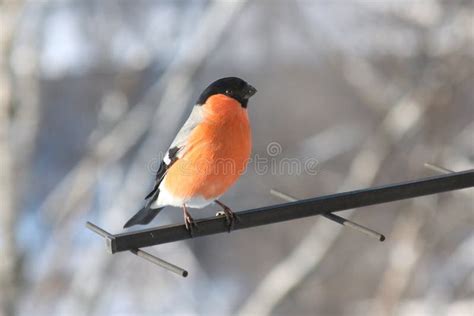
189 222
230 216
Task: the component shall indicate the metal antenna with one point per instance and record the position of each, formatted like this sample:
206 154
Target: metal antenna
138 252
335 218
321 205
437 168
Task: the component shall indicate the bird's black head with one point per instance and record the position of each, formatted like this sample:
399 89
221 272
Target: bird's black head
231 86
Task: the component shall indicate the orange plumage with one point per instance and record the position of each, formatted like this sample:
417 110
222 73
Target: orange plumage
217 151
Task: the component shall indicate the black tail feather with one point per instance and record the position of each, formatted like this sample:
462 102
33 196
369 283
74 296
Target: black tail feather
143 216
152 193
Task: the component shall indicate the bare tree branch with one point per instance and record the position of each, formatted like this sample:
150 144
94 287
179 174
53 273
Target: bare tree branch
9 15
403 256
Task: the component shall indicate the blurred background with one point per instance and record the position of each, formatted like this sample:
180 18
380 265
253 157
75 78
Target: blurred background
91 92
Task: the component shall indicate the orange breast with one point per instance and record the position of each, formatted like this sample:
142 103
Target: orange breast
216 154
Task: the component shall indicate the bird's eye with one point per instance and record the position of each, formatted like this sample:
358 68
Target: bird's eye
228 91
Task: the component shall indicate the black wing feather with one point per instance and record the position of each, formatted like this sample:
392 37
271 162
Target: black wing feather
160 174
147 213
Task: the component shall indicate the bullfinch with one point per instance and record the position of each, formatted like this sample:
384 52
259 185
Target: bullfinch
207 156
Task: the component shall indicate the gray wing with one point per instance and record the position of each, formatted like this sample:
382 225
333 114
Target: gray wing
176 149
179 142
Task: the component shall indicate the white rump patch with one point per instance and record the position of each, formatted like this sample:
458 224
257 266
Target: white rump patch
166 198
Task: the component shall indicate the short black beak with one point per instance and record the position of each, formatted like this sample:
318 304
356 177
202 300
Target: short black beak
250 91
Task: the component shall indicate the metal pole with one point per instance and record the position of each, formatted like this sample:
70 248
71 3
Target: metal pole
295 210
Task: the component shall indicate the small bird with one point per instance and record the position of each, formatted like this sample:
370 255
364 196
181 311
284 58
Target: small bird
208 155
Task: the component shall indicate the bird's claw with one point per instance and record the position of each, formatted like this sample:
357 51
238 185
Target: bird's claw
189 222
190 225
230 218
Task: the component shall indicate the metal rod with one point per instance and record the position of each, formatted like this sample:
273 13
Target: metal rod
140 253
437 168
99 231
299 209
362 229
159 262
338 219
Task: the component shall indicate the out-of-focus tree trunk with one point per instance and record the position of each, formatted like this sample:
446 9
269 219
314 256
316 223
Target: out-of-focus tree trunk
9 11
